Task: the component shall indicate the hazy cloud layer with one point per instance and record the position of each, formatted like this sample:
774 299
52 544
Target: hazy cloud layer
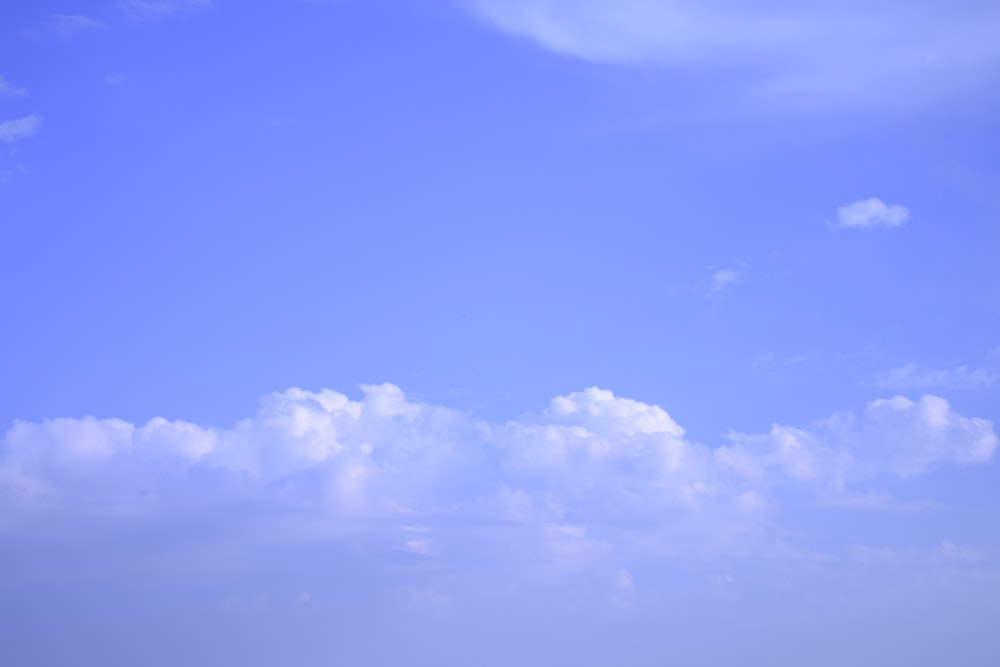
848 51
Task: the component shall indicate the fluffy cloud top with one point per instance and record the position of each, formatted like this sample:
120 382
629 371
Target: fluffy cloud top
837 49
18 129
869 213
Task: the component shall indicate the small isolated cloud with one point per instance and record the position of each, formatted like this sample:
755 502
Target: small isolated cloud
13 91
914 377
18 129
154 10
868 213
771 362
114 79
722 279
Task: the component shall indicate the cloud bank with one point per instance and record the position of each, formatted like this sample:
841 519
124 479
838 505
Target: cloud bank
590 475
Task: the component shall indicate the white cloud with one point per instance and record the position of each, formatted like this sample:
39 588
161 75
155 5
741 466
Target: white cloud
914 377
152 10
18 129
869 213
884 49
897 436
7 89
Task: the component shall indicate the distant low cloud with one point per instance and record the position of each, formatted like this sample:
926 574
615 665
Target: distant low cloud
12 91
911 51
869 213
18 129
915 377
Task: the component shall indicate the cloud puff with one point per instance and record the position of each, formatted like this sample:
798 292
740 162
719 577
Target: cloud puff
880 49
869 213
914 377
18 129
7 89
722 279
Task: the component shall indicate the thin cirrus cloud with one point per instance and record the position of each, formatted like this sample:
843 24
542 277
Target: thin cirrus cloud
153 10
871 213
591 477
884 50
12 91
18 129
914 377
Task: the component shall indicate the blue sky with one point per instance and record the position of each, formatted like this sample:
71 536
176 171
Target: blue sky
484 331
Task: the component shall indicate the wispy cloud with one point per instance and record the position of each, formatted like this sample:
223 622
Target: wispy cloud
13 91
869 213
915 377
154 10
71 24
842 52
18 129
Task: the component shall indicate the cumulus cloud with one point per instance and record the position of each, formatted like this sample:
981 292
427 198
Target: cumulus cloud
869 213
915 377
18 129
13 91
897 436
874 50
